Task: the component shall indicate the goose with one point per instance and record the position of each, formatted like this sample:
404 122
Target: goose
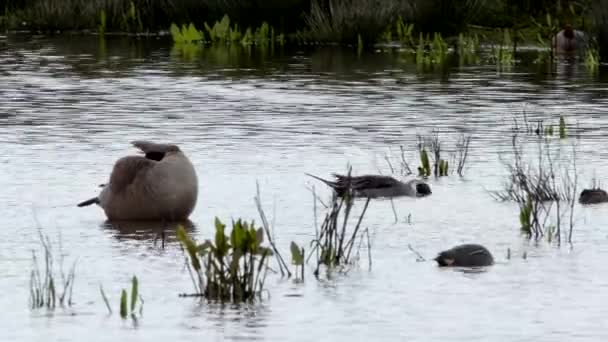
467 255
161 185
374 186
592 196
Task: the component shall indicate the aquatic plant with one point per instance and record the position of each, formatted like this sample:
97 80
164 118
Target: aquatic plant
297 259
131 19
402 31
430 52
539 195
45 291
102 22
229 268
502 54
342 21
222 32
462 152
185 35
468 47
592 58
125 308
562 127
334 241
424 170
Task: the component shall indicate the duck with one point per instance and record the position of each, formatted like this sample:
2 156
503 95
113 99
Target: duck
160 185
375 186
466 255
593 196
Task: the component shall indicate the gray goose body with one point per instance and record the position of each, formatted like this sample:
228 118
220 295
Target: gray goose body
162 185
374 186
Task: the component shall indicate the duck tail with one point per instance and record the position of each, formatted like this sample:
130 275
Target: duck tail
330 183
93 200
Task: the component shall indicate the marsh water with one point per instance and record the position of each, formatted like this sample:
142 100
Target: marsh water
69 107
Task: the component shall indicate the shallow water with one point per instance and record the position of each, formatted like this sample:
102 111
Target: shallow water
70 106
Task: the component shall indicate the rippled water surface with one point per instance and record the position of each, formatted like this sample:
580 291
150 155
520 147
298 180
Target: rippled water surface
70 106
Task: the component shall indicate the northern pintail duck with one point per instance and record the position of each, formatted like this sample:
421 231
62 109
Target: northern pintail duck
467 255
162 185
374 186
592 196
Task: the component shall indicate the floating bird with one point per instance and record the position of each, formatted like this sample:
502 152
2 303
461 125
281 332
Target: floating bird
374 186
593 196
467 255
162 185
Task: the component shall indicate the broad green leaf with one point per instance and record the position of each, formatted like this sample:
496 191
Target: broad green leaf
296 255
134 292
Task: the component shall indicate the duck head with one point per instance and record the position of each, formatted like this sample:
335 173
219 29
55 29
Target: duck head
423 189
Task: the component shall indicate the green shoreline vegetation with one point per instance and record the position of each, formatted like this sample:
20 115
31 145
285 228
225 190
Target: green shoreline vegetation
360 23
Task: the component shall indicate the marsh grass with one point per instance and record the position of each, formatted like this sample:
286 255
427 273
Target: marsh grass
430 52
502 53
347 21
47 289
543 189
229 268
335 238
468 48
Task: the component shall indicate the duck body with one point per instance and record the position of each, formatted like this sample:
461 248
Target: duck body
593 196
162 185
466 255
375 186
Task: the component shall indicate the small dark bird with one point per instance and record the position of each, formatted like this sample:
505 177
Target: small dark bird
593 196
467 255
374 186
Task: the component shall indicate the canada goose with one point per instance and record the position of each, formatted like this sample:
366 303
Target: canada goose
162 185
569 41
467 255
592 196
374 186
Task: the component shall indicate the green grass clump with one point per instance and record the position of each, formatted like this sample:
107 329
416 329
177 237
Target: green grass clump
424 170
229 268
430 52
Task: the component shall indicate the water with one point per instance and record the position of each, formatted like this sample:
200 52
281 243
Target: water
70 106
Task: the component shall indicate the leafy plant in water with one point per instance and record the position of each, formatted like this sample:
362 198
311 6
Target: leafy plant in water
297 258
185 35
229 268
424 169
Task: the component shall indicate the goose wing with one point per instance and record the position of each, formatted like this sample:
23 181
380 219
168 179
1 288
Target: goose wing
150 147
367 181
127 170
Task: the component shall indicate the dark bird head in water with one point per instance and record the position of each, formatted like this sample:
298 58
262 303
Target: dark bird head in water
445 258
423 189
568 31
